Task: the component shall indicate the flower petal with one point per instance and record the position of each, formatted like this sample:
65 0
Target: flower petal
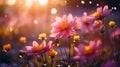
35 43
29 47
44 43
64 18
70 17
99 9
76 49
58 19
76 57
92 43
50 44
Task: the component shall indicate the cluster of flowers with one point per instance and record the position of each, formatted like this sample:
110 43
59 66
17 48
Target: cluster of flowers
86 38
87 29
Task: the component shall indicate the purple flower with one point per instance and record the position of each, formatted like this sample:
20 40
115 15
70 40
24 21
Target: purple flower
63 27
106 11
110 63
87 52
102 12
37 49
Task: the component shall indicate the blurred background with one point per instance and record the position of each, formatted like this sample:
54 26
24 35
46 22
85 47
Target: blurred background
26 19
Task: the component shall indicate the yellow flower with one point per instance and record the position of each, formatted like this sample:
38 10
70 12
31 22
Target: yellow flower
112 23
7 47
42 36
52 52
76 38
23 39
87 50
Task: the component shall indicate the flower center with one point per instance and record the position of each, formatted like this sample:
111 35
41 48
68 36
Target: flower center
86 21
112 23
38 48
97 14
87 50
64 25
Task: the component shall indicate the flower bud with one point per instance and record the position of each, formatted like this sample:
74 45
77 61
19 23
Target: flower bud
42 36
52 52
76 38
23 39
7 47
112 23
88 50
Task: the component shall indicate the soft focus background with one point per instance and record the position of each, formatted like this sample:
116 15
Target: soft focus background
29 18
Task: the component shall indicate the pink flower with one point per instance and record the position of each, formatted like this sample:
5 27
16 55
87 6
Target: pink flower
85 23
88 24
37 49
88 20
115 36
63 27
88 52
97 25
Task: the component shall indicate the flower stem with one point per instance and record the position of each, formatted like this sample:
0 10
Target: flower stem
52 62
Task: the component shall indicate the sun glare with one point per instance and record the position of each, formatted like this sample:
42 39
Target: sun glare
11 2
43 2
